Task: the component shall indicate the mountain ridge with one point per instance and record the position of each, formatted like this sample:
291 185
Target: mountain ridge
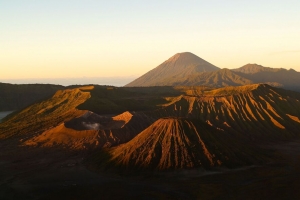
191 74
255 68
156 128
278 77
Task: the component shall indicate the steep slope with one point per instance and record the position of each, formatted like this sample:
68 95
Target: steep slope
180 65
252 110
177 143
103 116
45 114
218 78
279 77
186 69
15 97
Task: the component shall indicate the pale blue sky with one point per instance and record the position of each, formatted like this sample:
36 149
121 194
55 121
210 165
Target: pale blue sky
62 39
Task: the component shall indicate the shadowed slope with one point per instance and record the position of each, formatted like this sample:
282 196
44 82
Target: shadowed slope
255 68
172 143
113 100
14 97
179 66
278 77
218 78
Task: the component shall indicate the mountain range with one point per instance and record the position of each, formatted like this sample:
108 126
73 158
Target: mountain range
187 69
160 120
179 66
187 129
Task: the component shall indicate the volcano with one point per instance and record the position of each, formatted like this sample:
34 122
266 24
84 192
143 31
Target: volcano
187 69
179 143
179 66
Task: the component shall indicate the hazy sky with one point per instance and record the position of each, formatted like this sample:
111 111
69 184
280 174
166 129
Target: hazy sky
73 38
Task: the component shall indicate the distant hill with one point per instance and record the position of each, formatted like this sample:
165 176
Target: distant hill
179 66
14 97
255 68
279 77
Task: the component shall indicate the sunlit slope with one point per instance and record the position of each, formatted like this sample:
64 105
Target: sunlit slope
177 143
92 131
103 116
179 66
63 120
253 110
45 114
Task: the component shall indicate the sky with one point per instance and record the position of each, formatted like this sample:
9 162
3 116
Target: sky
61 39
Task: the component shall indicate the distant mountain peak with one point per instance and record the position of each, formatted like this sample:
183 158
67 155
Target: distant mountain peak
183 54
180 65
187 69
186 58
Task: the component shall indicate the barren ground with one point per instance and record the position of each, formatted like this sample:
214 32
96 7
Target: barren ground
36 173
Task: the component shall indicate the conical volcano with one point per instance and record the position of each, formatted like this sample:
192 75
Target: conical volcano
179 66
177 143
